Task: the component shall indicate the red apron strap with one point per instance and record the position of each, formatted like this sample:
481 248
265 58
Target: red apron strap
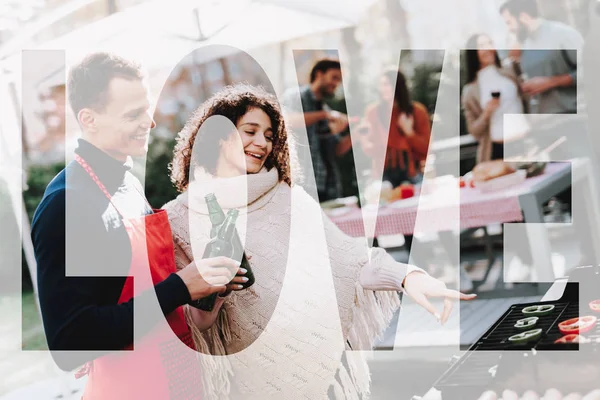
95 178
93 175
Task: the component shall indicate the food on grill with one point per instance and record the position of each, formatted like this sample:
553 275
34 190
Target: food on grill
526 323
525 337
577 325
496 363
539 310
572 338
595 305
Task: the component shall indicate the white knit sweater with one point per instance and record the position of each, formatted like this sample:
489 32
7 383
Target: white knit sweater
285 336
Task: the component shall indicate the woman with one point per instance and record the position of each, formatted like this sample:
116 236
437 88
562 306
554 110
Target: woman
408 134
287 324
492 91
484 113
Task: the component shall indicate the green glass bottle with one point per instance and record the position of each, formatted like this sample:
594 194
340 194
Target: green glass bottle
215 247
217 216
215 213
220 245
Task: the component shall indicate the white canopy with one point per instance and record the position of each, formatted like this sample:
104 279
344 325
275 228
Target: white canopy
160 32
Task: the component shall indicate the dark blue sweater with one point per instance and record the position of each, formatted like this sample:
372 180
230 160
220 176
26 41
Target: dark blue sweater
76 225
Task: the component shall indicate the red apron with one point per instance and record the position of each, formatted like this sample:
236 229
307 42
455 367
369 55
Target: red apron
161 366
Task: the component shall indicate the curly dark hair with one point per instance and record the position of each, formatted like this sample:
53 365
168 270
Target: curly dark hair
232 102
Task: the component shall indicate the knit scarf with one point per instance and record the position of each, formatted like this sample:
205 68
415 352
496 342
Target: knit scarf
243 192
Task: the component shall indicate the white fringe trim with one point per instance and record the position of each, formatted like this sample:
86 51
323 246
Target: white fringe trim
215 367
371 315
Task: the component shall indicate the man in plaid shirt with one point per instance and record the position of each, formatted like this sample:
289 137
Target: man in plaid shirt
324 127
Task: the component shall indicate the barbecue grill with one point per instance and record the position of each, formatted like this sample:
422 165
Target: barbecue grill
494 362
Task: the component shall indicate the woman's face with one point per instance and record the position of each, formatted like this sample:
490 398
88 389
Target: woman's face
386 90
256 135
485 51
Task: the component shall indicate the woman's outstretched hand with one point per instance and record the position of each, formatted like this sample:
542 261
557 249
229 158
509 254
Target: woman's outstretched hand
421 287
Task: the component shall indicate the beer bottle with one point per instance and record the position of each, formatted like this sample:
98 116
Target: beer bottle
220 245
217 216
215 213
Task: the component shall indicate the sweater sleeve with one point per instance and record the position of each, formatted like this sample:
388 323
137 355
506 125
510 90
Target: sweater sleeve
74 317
365 280
350 256
419 142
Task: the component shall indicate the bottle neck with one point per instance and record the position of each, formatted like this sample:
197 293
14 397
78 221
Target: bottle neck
215 212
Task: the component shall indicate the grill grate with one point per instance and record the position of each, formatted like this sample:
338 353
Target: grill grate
497 337
477 368
491 362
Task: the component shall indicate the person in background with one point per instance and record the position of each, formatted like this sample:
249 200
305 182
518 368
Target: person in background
490 92
408 134
549 61
484 112
548 58
406 140
325 128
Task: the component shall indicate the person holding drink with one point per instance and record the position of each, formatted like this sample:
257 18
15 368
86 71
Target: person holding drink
317 292
491 92
95 234
408 135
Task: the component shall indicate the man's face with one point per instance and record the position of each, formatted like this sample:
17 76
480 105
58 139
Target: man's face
122 129
329 81
515 26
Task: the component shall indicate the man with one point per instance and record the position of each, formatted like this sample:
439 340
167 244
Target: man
107 232
324 127
549 59
549 62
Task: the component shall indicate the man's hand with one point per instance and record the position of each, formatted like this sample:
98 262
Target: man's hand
537 85
338 122
420 287
209 275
